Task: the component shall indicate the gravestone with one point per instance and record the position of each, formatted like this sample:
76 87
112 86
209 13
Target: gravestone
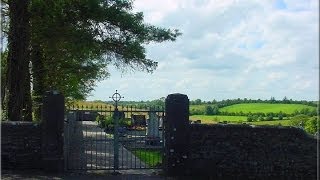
85 115
152 133
138 120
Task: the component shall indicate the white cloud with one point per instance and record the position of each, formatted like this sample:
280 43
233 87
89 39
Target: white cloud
231 48
276 76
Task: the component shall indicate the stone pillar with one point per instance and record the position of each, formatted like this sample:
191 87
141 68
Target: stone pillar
176 126
52 122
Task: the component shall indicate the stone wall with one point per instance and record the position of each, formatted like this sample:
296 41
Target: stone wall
20 145
26 145
234 151
256 152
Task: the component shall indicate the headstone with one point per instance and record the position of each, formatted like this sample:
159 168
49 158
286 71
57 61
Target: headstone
85 115
161 123
152 133
138 120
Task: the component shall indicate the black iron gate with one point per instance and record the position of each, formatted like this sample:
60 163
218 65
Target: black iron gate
114 137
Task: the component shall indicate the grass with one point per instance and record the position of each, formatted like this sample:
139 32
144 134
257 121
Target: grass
257 107
265 108
151 157
272 123
212 119
236 119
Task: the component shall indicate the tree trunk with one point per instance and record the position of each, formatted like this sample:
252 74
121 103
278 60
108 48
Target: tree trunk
3 83
27 101
18 57
38 75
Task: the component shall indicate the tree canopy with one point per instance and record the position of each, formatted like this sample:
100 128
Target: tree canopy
72 42
85 36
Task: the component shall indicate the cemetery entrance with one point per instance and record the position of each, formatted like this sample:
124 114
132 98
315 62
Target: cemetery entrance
114 137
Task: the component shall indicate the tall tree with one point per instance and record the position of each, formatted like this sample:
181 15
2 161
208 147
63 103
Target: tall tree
72 44
83 38
18 56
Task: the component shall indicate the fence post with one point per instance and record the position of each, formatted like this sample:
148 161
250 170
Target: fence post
176 127
52 122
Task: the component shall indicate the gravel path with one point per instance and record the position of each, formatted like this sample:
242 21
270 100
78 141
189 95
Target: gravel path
89 147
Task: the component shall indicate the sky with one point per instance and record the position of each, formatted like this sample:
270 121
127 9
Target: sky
228 49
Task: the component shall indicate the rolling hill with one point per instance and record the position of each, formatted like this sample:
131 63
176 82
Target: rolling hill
265 108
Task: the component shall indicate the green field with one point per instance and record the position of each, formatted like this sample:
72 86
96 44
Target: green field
272 123
149 156
265 108
212 119
235 119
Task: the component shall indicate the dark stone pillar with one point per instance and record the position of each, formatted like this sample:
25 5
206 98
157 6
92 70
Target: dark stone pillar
52 117
176 126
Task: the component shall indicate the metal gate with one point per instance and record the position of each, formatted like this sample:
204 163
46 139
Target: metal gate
114 137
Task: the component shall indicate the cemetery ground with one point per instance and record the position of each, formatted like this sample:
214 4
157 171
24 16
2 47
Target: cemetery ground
99 175
92 146
151 157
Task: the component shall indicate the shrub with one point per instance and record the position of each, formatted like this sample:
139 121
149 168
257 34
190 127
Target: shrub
255 118
311 126
269 117
104 121
280 116
208 110
261 118
299 120
196 112
125 122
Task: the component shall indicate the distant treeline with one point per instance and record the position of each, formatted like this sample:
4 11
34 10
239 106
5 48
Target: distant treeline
272 100
214 106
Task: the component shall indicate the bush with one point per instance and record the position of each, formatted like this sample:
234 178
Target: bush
208 110
311 126
280 116
103 121
196 112
125 122
299 120
261 118
255 118
269 117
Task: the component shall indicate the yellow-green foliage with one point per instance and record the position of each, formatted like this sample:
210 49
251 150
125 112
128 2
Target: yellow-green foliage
272 123
212 119
265 108
312 125
150 156
299 120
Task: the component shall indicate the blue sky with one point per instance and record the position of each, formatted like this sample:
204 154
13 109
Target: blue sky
229 49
